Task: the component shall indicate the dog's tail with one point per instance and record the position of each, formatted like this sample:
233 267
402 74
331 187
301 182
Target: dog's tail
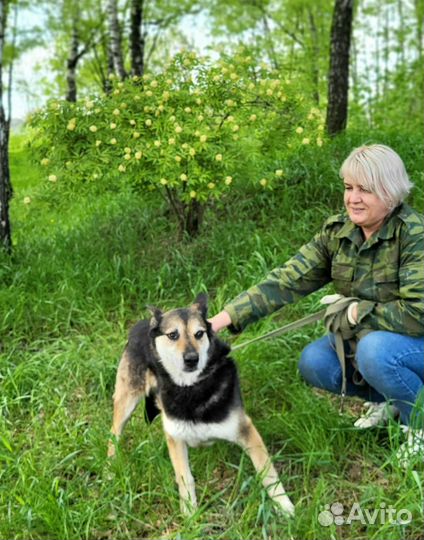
151 410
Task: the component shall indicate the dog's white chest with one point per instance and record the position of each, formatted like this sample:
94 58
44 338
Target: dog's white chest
197 433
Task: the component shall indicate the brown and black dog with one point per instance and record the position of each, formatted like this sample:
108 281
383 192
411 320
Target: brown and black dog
179 365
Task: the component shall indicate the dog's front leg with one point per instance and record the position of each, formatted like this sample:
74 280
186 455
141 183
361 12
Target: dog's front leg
125 400
253 444
178 453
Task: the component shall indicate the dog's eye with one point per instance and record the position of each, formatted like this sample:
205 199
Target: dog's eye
199 334
173 336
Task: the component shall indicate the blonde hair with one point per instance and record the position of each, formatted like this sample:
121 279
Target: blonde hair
380 170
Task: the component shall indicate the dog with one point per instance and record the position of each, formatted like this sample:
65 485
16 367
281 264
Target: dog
183 370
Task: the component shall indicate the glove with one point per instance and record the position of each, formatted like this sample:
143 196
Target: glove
338 316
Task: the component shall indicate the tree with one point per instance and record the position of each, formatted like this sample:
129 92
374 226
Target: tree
137 40
116 39
338 79
6 191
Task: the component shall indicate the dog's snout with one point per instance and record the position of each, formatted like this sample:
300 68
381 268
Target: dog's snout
191 359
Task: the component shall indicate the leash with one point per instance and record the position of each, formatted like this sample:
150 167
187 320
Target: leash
284 329
327 313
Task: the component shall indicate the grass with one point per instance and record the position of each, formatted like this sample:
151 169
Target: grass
81 273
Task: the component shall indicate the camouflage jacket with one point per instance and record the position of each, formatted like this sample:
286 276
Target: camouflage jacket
386 272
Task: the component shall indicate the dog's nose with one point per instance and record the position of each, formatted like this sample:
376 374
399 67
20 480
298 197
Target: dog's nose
191 360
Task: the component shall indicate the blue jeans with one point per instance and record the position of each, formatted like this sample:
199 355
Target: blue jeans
391 364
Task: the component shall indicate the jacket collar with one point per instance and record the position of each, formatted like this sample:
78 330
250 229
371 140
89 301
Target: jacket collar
353 232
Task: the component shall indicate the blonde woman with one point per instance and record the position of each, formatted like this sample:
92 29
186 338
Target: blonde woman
374 253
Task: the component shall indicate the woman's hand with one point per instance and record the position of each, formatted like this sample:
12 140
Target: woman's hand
219 321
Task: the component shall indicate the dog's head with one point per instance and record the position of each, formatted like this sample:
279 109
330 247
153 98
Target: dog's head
182 339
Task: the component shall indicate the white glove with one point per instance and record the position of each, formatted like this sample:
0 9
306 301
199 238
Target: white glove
331 298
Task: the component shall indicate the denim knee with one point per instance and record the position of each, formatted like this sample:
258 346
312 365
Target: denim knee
371 356
307 363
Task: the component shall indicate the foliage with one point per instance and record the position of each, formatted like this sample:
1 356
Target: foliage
193 132
81 275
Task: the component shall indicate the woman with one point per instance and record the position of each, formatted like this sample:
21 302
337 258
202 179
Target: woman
374 252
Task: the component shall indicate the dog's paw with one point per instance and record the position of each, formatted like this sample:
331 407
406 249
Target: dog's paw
111 450
285 505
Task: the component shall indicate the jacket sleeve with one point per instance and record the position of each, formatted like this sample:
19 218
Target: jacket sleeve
405 315
307 271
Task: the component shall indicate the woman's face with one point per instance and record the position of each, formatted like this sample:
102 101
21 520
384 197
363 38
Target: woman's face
365 209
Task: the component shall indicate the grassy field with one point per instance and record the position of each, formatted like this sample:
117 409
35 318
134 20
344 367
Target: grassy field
82 271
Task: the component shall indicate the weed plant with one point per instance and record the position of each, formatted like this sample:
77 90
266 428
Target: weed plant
79 277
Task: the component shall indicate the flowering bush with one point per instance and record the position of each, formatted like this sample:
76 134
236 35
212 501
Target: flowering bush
192 132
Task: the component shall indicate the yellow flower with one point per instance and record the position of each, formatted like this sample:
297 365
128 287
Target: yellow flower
178 129
166 95
236 128
116 92
89 104
127 156
185 146
192 152
148 122
157 144
252 117
183 177
319 141
200 118
230 118
211 185
263 182
149 93
163 181
127 150
279 172
138 155
116 112
306 140
132 122
171 140
154 84
71 125
112 125
136 134
193 194
122 168
299 130
269 92
93 129
230 102
45 162
113 141
218 157
53 178
320 127
27 200
177 159
187 109
203 138
228 180
98 143
216 78
233 76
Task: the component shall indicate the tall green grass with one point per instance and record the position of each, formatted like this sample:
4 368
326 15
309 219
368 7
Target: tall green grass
81 273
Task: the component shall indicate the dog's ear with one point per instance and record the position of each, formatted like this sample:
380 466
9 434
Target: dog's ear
156 318
201 303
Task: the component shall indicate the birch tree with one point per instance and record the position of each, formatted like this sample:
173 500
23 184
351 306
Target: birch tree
5 183
338 79
116 39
